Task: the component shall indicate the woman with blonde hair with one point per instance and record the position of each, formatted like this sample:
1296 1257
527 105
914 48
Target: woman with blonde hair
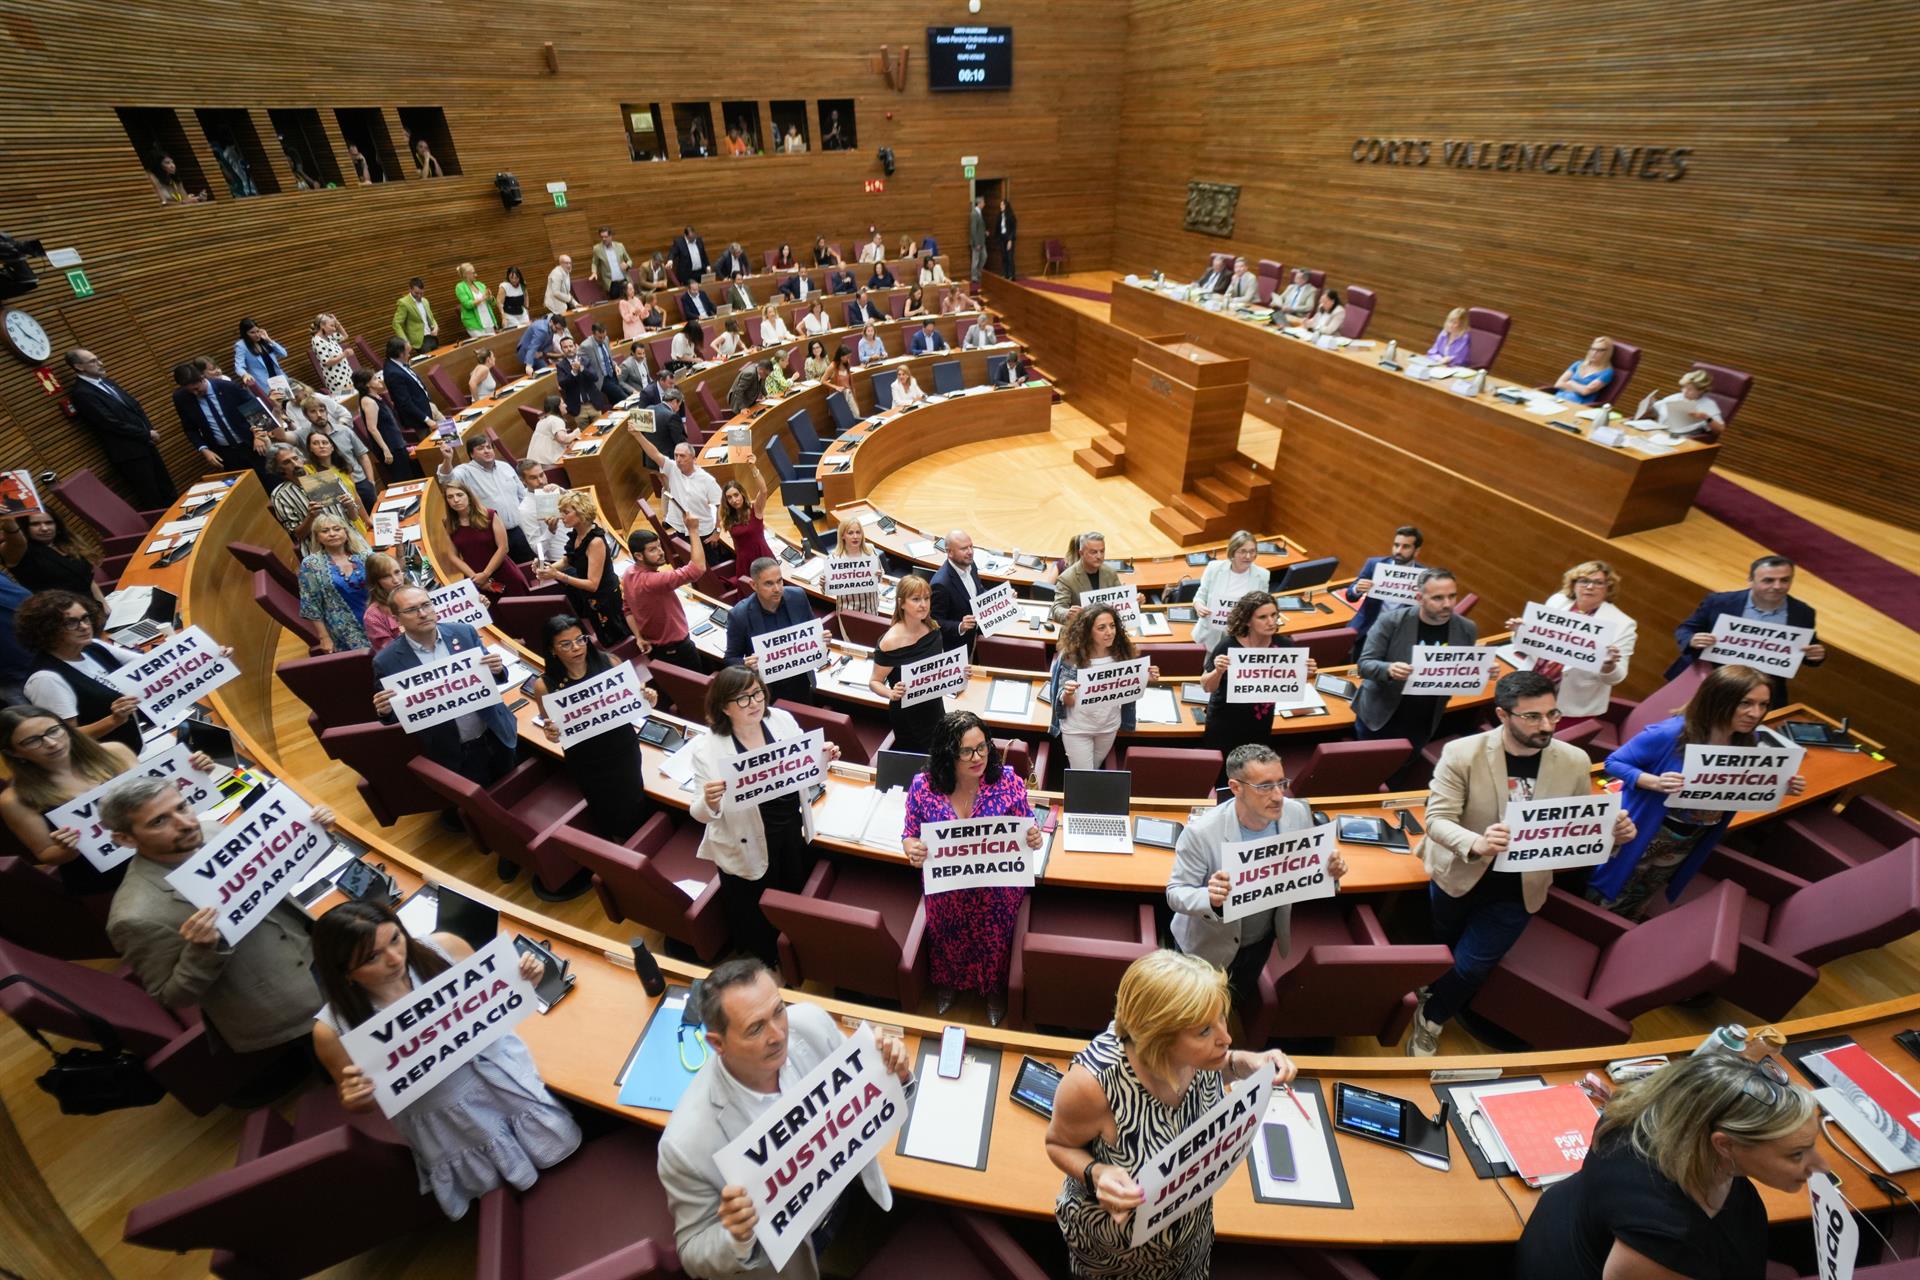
482 380
851 547
1587 378
773 327
1166 1057
333 583
587 571
906 389
330 360
476 306
1451 343
384 577
1667 1187
914 636
1588 589
1691 409
479 538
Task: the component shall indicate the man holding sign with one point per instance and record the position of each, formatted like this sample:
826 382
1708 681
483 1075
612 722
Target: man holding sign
1767 599
1229 861
773 607
1089 573
478 744
1384 708
1405 555
1480 910
793 1154
258 991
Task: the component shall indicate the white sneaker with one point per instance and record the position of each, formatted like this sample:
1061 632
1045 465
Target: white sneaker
1425 1040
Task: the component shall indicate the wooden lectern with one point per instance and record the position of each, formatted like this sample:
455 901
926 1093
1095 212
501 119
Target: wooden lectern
1184 410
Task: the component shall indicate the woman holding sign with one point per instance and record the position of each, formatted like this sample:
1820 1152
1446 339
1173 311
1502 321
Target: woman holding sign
757 847
1163 1061
587 572
1223 583
1588 590
71 666
1253 624
914 637
606 767
333 584
490 1122
851 549
1094 638
479 538
969 931
1672 842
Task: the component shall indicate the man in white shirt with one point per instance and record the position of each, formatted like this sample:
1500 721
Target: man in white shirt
498 488
560 286
693 496
545 534
956 582
981 335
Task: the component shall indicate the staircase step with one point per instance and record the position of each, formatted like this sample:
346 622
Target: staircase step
1198 508
1219 493
1107 446
1177 526
1097 465
1240 474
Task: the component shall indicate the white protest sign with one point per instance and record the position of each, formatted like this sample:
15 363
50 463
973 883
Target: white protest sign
83 813
1112 682
847 576
1270 870
933 677
170 677
1573 640
1558 832
1187 1172
791 651
1222 610
1395 583
386 528
1741 779
1836 1237
415 1043
1124 599
255 863
614 697
434 692
775 769
460 601
976 853
805 1150
1444 670
1278 676
995 609
1764 646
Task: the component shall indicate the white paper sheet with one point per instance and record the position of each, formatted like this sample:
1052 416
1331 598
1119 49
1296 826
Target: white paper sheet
421 914
1313 1165
1009 697
948 1115
888 818
1158 706
692 888
395 504
842 814
678 767
183 526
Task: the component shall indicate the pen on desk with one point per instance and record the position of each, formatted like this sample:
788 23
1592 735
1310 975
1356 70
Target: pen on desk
1296 1102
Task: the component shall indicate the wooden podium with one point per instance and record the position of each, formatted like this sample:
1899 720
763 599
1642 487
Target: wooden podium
1181 441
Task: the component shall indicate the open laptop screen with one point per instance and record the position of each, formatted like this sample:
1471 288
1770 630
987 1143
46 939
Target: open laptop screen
1099 791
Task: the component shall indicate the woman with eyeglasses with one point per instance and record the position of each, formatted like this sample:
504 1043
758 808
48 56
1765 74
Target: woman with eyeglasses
757 847
53 766
489 1122
1672 842
915 636
1588 589
333 584
1667 1188
1222 583
1254 623
1587 378
606 766
969 931
71 664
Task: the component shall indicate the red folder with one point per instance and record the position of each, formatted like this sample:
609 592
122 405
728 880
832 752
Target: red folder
1892 1094
1545 1131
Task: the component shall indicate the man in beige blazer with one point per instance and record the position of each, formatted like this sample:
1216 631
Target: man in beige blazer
1478 912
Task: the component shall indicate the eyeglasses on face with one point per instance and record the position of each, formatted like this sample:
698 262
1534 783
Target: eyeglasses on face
1265 788
974 753
76 622
578 642
1538 717
1589 582
415 610
39 740
749 698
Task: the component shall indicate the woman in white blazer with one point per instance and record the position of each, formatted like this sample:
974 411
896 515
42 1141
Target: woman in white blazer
1224 582
758 846
1589 589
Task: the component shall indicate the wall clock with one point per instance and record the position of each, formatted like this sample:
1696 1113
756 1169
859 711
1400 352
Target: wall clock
25 337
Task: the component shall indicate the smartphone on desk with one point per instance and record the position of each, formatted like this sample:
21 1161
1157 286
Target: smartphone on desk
953 1048
1279 1151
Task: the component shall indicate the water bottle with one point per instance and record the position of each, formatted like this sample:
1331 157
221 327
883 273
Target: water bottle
1479 384
1393 352
1731 1038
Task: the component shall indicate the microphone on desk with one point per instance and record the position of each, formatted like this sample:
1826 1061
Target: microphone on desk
652 981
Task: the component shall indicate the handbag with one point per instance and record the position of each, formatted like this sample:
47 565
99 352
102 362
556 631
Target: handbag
89 1082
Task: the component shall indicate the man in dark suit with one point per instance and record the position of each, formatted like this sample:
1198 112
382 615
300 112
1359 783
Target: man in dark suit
798 287
215 415
597 351
733 263
1009 225
956 583
928 340
863 309
1384 709
125 432
1406 550
694 305
842 282
1767 598
479 745
689 255
576 380
661 396
411 404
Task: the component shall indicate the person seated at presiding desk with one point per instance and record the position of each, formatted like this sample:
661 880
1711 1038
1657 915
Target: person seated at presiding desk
1588 590
1297 300
256 994
773 606
1477 912
1407 540
539 346
1768 597
871 348
216 417
607 765
1090 573
1382 709
1242 285
1691 409
333 584
479 745
761 1047
650 591
1094 638
1667 1186
1328 315
1197 886
366 961
1730 704
1217 275
411 403
559 295
1163 1061
914 636
1587 378
1451 344
496 484
1015 371
969 931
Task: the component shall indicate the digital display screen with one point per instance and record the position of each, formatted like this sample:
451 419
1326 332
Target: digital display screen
1034 1086
969 58
1370 1113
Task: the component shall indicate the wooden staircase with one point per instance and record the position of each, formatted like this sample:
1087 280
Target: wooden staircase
1232 496
1106 455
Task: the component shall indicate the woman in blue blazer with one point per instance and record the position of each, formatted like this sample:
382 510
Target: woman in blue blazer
1672 843
257 356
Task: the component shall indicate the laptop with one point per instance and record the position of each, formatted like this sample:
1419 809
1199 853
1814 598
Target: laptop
1096 811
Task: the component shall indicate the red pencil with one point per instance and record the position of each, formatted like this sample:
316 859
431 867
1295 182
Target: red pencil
1298 1103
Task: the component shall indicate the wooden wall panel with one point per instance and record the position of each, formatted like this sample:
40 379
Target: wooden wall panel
1091 359
1788 249
187 275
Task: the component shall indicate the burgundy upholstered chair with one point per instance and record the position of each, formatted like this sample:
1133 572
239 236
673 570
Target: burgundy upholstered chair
38 913
452 397
1729 389
1179 659
1056 255
1330 647
1359 312
1349 768
1626 359
254 558
1012 653
1025 758
640 880
661 351
863 628
1817 841
371 359
283 607
685 690
1790 927
587 292
530 415
120 527
525 617
258 1217
935 1243
379 753
1176 773
1069 950
717 413
857 925
515 818
1464 605
600 1214
1342 976
1580 975
858 737
1486 334
1669 700
337 687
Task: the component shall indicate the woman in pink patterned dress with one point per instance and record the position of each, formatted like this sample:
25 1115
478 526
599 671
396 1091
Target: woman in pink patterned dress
969 931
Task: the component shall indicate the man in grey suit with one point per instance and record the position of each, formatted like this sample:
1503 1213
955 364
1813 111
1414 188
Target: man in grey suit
977 237
1200 881
1381 710
761 1047
257 994
1242 285
1089 573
